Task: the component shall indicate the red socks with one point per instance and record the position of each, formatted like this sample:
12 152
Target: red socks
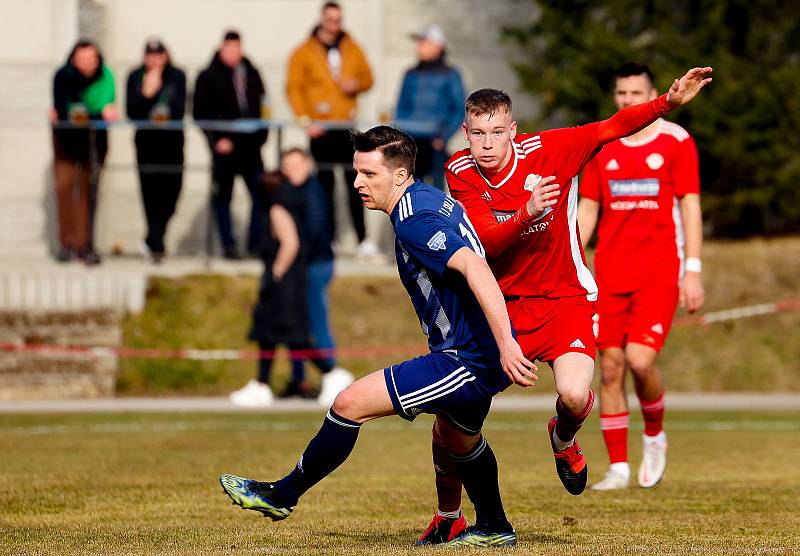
615 434
653 414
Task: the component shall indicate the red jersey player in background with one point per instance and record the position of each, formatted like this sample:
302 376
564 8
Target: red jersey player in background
509 184
646 190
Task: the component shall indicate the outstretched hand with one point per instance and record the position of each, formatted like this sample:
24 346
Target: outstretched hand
686 88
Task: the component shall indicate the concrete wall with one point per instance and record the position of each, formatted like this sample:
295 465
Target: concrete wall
35 36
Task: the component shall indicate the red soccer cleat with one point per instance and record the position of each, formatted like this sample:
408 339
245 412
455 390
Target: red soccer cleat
570 463
442 529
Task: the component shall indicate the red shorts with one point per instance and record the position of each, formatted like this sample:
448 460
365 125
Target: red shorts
549 328
641 317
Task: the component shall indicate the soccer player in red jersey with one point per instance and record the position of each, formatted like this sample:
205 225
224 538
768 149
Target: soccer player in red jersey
510 185
646 190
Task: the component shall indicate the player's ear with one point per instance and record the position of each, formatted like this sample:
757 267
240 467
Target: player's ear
513 129
400 175
465 130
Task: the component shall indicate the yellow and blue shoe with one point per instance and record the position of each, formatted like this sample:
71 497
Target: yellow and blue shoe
475 537
254 495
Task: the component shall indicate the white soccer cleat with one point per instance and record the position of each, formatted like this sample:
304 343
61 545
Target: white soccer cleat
254 394
613 480
654 460
333 382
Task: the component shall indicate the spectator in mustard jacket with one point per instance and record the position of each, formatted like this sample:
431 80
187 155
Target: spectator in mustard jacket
327 72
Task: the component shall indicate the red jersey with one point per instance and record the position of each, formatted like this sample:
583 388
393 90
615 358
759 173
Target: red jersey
540 258
546 258
638 184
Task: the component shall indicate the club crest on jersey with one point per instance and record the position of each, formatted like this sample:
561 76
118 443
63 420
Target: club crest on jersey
437 242
654 161
531 181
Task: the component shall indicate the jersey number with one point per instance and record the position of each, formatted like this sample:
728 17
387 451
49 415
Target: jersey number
469 232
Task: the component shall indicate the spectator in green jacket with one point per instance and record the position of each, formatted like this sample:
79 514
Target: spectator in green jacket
83 91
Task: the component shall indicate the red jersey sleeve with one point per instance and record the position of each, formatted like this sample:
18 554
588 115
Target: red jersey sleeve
591 186
495 236
577 145
685 168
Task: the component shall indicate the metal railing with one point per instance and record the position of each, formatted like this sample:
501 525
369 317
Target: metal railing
416 128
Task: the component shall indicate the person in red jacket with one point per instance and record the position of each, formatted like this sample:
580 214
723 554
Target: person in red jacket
646 190
510 185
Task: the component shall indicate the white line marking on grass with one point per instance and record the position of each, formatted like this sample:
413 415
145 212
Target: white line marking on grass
286 426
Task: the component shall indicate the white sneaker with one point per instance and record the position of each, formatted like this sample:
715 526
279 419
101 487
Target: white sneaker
254 394
612 480
333 382
367 248
654 460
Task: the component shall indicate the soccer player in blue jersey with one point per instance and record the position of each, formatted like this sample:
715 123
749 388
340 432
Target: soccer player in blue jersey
474 354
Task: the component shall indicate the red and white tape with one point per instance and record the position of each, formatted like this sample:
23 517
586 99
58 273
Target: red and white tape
192 354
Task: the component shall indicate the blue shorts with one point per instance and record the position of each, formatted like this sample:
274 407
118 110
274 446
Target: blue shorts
445 385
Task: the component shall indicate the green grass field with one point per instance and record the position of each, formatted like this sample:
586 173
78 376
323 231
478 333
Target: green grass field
146 484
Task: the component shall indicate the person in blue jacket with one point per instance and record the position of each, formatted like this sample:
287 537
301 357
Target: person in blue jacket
431 102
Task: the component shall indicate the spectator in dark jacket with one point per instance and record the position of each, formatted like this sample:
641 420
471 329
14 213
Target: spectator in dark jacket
431 103
83 91
157 92
281 314
297 166
230 89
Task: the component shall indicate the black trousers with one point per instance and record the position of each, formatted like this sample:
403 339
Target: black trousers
160 191
335 147
247 163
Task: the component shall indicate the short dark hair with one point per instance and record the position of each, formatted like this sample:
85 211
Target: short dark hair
487 101
629 69
398 148
232 35
327 5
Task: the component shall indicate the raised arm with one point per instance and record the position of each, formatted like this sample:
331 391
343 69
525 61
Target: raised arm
634 118
482 283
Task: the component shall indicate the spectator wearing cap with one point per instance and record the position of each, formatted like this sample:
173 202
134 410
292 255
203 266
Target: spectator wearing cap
157 92
83 91
326 73
431 96
230 88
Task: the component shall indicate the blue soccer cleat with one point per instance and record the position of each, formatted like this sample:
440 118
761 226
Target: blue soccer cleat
254 495
475 537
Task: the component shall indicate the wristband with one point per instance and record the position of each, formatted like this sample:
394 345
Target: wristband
694 264
662 105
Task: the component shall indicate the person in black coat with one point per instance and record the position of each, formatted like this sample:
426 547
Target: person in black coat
157 92
229 89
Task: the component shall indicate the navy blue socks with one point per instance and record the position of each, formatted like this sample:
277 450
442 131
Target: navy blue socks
478 471
326 451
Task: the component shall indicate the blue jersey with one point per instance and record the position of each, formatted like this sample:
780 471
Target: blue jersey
430 227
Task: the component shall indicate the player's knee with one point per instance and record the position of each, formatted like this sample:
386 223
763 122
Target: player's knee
611 371
574 398
641 364
345 404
